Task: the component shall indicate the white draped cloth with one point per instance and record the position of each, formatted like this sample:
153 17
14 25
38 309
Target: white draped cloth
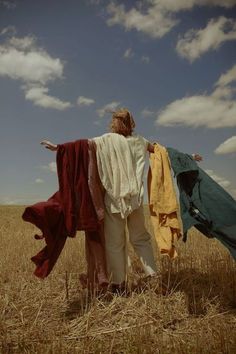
120 163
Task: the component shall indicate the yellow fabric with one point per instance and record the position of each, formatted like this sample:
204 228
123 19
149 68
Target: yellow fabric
163 202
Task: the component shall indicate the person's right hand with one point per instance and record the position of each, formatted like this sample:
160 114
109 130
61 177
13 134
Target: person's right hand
197 157
49 145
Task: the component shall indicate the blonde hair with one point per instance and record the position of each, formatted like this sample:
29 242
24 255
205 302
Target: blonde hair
122 122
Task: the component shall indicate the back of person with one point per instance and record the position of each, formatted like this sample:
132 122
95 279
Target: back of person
124 201
121 158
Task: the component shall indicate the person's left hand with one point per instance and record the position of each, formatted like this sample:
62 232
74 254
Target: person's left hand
49 145
197 157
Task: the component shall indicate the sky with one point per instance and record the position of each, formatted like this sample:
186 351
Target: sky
64 64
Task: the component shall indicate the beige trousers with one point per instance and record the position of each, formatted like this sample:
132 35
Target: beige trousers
115 240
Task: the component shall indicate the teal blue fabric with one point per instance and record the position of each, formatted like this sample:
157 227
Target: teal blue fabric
203 202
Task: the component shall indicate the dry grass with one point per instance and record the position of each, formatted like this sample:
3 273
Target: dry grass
196 316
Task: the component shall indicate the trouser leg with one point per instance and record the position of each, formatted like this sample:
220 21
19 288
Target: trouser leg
115 240
141 241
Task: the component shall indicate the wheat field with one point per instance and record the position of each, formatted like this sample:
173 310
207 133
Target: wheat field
55 315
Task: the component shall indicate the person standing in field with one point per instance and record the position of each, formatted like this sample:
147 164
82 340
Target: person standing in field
124 195
124 153
121 158
124 209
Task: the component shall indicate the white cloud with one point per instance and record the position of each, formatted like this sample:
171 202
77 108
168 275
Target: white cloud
153 22
39 96
146 113
223 92
51 166
7 30
216 110
10 5
220 180
227 147
84 101
180 5
39 180
108 108
128 53
223 89
23 43
199 111
145 59
155 18
21 59
196 42
228 77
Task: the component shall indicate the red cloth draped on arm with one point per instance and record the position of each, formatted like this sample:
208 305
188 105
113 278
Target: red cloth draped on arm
68 210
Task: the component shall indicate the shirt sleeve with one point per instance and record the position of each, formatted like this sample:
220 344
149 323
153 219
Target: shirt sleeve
145 141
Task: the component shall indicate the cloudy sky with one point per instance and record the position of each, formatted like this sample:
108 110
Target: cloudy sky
64 63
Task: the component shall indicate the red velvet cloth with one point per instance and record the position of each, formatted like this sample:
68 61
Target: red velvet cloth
68 210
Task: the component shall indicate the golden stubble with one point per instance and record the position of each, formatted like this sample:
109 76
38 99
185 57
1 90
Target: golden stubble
55 315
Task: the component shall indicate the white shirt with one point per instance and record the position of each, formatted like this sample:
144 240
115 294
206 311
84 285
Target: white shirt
121 162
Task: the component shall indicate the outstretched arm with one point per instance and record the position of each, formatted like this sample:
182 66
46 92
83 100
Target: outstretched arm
49 145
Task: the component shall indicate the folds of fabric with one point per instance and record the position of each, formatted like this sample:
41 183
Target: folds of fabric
96 259
48 217
72 169
95 240
116 171
96 188
203 202
68 210
163 202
